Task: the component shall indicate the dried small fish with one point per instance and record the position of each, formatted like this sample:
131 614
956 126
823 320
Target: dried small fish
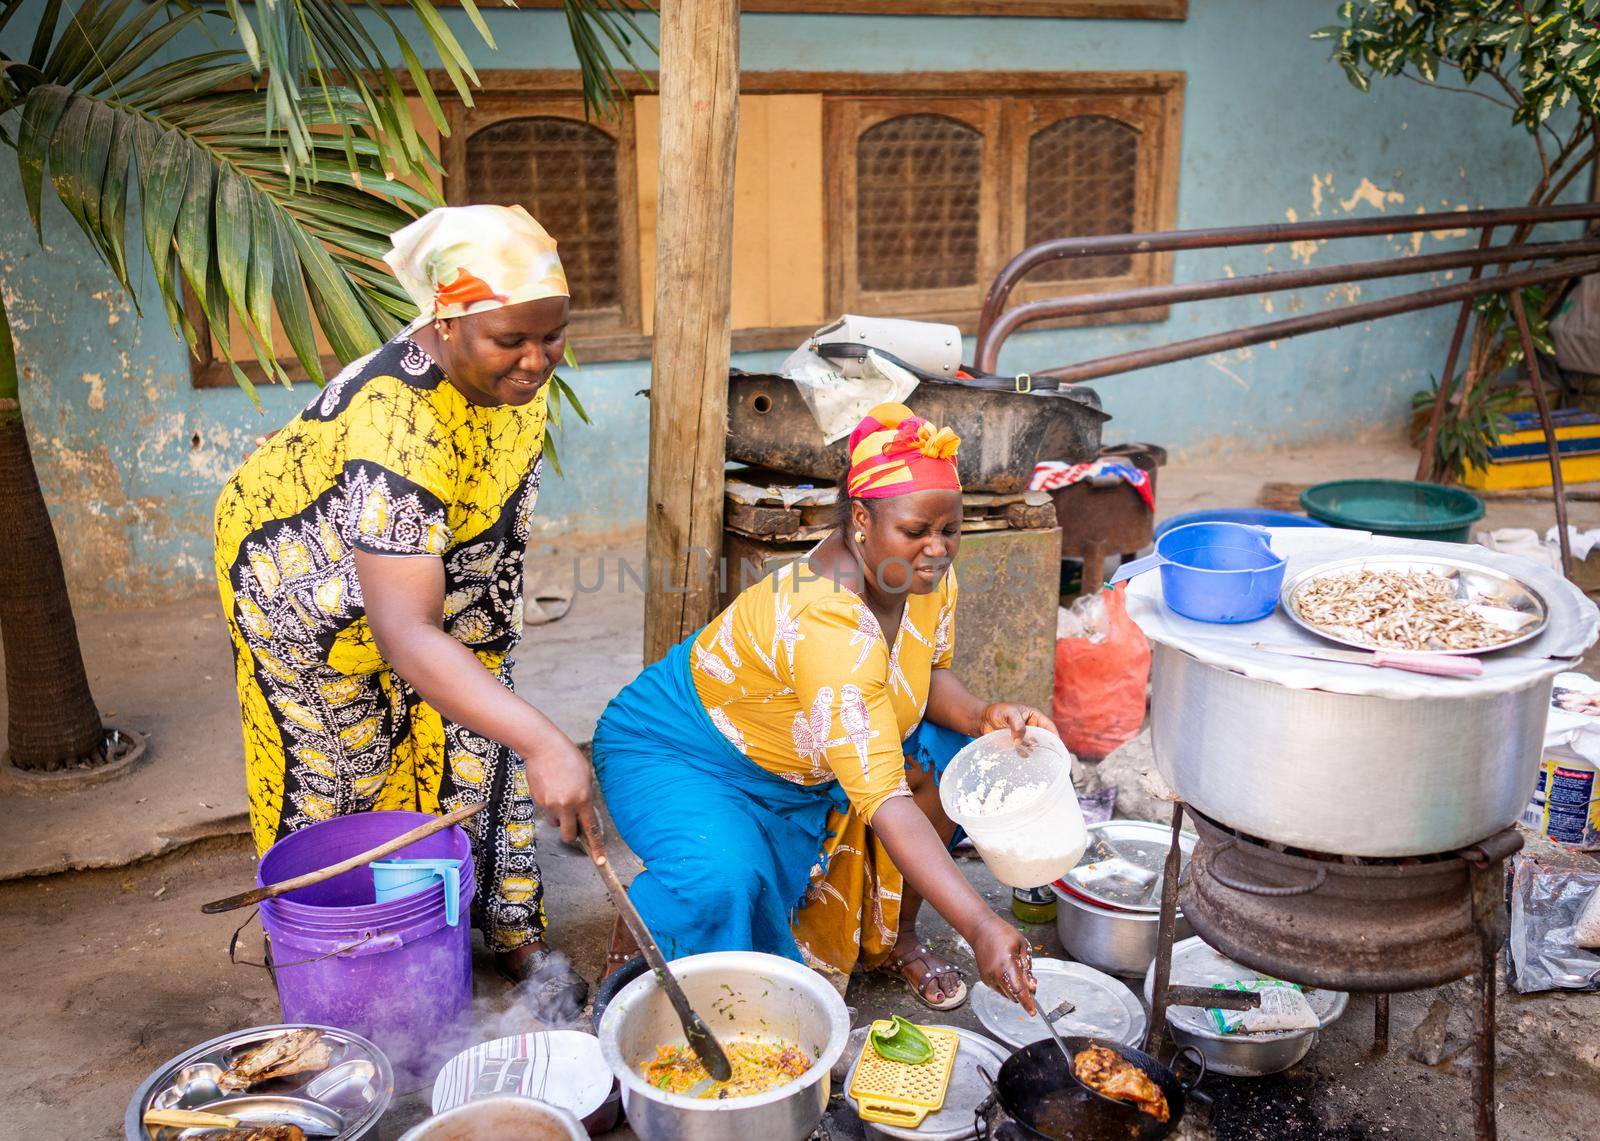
254 1133
292 1052
1400 610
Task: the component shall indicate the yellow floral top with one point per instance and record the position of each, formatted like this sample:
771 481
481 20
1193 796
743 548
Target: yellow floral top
796 674
389 458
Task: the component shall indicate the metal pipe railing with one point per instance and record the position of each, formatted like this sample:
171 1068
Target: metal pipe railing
1163 241
1316 322
1572 259
1140 297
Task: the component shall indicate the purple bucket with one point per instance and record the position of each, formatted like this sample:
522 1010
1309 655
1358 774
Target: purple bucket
394 972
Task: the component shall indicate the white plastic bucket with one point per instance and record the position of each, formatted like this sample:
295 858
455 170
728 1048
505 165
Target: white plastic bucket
1026 840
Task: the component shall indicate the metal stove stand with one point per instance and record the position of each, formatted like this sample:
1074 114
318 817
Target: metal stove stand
1485 864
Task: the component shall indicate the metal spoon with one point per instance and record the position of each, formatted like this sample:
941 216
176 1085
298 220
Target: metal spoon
705 1047
1054 1033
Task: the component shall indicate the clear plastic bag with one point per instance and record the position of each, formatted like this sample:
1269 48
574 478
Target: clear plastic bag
1545 907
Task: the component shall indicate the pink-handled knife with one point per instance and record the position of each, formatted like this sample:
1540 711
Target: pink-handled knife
1439 665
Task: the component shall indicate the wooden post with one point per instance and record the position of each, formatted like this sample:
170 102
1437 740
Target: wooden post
694 286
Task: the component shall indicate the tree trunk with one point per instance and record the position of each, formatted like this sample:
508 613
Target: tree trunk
53 721
694 284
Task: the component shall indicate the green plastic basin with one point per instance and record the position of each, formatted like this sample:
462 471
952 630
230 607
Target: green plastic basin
1402 507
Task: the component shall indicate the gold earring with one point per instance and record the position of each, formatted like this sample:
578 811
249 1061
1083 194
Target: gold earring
860 538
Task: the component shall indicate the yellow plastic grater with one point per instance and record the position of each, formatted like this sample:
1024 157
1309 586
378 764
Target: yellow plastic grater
897 1093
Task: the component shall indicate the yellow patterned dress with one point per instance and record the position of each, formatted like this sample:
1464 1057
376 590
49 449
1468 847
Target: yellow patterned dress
389 458
799 678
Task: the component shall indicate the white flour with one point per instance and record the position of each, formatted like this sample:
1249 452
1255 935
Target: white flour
1018 857
1002 796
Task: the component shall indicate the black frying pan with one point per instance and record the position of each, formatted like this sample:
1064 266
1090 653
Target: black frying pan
1033 1073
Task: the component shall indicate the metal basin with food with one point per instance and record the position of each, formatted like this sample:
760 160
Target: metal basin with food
343 1099
1238 1055
742 995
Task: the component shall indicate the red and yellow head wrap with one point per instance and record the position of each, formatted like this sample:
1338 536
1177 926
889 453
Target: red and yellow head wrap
895 452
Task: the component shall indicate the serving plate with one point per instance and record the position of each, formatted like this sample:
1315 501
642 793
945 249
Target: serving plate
343 1100
1474 583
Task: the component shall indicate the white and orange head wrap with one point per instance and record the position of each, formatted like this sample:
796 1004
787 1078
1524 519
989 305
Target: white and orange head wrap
895 452
468 259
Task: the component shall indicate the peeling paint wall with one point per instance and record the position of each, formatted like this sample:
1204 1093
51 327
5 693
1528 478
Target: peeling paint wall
131 455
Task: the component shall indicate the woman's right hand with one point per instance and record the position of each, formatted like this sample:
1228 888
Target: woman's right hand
561 782
1005 960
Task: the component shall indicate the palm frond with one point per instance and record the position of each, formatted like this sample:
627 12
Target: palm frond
221 213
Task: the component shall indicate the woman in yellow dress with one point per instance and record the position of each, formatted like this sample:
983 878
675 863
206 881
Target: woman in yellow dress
778 772
369 557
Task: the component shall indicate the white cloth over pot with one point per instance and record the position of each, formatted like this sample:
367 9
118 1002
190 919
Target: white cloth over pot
1574 623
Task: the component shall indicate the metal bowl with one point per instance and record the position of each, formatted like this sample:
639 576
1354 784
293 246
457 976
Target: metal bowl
348 1096
1237 1055
741 994
1477 583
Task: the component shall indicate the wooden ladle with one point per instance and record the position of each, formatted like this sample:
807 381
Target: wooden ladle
699 1036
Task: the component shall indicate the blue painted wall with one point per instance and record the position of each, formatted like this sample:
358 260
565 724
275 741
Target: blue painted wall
131 455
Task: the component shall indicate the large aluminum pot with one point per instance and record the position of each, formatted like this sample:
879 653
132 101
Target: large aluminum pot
739 993
506 1116
1345 774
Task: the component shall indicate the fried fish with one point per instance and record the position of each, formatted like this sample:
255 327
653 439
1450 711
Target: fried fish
293 1052
1109 1073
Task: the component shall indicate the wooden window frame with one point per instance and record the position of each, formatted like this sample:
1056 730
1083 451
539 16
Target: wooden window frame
613 328
844 122
1016 108
535 87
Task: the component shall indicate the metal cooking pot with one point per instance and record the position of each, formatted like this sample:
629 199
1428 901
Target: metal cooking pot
1340 773
1117 942
520 1117
740 994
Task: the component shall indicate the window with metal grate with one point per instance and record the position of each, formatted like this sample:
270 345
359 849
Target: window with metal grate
564 173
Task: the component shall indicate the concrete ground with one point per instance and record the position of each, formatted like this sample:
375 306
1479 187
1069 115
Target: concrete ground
114 969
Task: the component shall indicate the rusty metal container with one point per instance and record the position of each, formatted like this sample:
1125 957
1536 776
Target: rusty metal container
1003 434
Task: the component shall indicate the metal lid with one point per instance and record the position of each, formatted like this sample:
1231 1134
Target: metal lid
956 1119
1194 963
1101 1007
1123 864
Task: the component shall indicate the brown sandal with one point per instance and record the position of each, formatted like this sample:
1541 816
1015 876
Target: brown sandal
934 969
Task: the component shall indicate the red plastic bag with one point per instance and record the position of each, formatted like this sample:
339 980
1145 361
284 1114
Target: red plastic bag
1099 701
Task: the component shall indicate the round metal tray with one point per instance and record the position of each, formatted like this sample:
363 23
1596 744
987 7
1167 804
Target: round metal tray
351 1104
1105 1007
1476 583
956 1119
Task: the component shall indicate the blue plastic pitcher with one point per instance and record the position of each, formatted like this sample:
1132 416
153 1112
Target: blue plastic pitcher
396 879
1215 572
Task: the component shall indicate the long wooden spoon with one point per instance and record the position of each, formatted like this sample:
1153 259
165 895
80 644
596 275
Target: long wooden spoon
705 1047
420 832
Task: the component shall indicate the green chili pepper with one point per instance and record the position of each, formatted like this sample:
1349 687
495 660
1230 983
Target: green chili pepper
900 1041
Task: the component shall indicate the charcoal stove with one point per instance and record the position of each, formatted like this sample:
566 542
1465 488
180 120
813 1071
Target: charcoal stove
1379 926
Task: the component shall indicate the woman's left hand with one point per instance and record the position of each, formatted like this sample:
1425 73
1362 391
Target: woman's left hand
1014 716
